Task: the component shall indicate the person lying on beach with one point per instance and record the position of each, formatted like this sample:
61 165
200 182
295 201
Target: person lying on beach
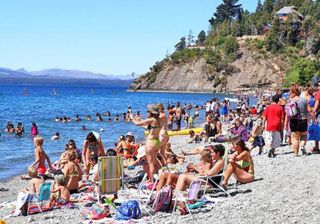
40 157
169 153
60 194
240 164
186 179
196 150
203 166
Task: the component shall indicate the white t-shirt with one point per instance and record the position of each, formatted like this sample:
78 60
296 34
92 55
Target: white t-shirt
93 172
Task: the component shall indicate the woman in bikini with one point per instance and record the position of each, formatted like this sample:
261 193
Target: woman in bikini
72 173
154 126
163 135
240 164
92 145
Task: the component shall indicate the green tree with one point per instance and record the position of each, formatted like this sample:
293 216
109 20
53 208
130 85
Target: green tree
307 25
181 44
273 43
268 6
190 38
293 29
201 37
259 7
228 10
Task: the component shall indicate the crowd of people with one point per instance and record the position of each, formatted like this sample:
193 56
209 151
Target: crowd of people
275 120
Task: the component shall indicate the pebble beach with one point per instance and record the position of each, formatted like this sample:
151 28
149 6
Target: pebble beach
286 190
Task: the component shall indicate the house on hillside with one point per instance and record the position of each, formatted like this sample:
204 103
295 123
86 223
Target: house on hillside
286 11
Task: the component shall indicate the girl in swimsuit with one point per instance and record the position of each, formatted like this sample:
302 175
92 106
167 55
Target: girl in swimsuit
240 164
163 135
92 145
72 173
152 141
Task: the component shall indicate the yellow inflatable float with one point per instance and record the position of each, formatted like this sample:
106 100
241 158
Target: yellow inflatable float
181 132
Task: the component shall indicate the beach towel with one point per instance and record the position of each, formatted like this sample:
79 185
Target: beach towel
96 212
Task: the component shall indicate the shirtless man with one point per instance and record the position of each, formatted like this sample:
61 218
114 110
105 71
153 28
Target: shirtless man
40 156
178 117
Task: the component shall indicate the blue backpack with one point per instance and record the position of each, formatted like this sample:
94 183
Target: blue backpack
128 210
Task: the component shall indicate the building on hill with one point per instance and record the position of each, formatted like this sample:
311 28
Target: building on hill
286 11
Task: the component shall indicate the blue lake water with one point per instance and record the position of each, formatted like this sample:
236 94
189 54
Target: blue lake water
41 107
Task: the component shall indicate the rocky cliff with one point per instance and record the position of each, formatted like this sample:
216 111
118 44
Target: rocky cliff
252 69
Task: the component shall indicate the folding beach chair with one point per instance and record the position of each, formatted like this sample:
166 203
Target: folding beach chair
36 202
144 196
192 194
110 178
213 179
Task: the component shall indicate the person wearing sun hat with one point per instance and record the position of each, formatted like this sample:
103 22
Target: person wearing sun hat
152 146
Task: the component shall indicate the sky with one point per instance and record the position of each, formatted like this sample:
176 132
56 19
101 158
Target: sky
110 37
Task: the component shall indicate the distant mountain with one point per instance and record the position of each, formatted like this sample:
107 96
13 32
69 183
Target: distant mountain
6 72
58 74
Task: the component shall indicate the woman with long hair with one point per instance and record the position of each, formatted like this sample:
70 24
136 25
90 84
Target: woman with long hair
240 164
163 135
153 124
92 145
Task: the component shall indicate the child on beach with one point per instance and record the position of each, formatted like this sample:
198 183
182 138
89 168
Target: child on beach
40 157
194 137
35 182
60 195
257 134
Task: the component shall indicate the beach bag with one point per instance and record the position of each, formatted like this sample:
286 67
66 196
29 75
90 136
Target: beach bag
292 109
163 199
314 132
96 212
128 210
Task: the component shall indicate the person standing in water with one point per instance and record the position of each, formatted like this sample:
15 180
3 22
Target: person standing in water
163 135
153 124
34 130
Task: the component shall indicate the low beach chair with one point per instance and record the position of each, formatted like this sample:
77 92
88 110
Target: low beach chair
36 202
144 196
213 179
111 175
192 194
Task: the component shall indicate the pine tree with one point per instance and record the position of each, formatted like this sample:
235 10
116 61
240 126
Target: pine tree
181 44
268 6
259 7
190 38
201 37
228 10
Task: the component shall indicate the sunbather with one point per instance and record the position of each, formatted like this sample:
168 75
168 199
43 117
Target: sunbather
72 173
35 182
202 166
185 180
240 164
60 195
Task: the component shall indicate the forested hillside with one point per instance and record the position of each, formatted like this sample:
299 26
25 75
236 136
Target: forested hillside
285 30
